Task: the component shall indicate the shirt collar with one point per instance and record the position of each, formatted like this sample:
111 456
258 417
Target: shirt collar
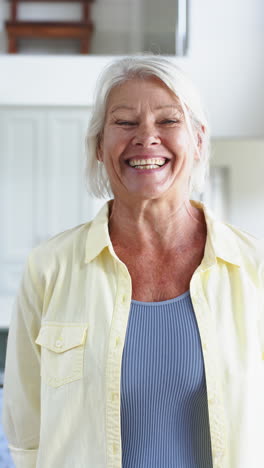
221 242
98 235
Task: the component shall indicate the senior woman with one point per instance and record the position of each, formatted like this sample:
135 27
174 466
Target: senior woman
137 339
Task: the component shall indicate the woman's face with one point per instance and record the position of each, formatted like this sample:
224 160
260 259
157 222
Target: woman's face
145 146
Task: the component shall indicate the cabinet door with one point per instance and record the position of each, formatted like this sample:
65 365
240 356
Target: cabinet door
22 144
65 202
42 186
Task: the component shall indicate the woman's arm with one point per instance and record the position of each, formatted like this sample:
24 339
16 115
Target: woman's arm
21 406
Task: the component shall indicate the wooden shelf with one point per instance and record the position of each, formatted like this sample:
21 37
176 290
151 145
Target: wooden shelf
82 30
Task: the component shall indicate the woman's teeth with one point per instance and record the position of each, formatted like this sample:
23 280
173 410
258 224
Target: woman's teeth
147 166
153 163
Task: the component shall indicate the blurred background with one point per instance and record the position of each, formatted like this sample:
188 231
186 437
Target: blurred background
51 54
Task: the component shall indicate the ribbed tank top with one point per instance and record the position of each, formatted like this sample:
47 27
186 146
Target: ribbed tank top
164 412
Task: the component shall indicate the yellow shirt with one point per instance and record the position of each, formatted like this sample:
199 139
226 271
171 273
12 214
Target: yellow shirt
63 367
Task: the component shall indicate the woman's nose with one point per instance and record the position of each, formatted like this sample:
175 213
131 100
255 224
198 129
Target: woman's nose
146 135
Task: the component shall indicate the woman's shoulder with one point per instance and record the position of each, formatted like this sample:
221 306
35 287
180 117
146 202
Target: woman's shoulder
69 247
245 238
227 234
65 238
60 248
249 248
235 245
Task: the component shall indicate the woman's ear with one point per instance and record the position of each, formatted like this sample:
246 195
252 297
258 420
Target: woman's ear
199 141
200 137
99 151
99 154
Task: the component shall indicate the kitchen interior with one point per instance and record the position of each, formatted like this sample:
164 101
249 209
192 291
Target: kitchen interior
47 81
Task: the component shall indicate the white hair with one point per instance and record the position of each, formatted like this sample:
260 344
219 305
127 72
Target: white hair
178 82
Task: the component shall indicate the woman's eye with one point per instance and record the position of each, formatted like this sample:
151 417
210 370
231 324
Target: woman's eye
125 123
169 121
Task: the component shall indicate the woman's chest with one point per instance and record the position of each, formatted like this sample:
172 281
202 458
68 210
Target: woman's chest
161 285
157 279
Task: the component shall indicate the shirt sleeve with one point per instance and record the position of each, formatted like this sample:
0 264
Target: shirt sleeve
21 402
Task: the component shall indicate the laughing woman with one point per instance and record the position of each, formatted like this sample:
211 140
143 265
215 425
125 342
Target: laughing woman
137 339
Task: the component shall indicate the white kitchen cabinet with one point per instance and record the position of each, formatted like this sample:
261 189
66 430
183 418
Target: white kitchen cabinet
42 188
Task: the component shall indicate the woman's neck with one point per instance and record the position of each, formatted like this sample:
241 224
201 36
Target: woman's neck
156 225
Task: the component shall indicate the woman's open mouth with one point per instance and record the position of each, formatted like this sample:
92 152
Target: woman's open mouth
149 163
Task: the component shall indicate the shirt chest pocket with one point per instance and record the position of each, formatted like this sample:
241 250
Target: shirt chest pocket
62 352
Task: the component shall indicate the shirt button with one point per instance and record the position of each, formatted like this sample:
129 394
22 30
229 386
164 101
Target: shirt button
58 344
204 346
198 299
115 396
124 299
115 449
118 341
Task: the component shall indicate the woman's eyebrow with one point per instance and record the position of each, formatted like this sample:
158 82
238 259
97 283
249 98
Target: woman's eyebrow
122 107
170 106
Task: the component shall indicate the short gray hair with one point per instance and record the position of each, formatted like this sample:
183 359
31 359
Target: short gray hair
178 82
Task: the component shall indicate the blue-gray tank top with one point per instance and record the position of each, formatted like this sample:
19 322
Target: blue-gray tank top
164 411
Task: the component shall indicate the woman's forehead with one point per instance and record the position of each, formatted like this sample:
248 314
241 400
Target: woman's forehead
151 89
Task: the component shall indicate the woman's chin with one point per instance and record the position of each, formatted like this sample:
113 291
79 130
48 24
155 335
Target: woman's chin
149 191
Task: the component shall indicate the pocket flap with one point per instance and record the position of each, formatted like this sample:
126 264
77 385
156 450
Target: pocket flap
60 337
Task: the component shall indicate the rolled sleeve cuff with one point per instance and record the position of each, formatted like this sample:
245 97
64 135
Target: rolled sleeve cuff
24 458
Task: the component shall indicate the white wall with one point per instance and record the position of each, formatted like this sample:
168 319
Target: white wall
227 62
245 160
225 59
